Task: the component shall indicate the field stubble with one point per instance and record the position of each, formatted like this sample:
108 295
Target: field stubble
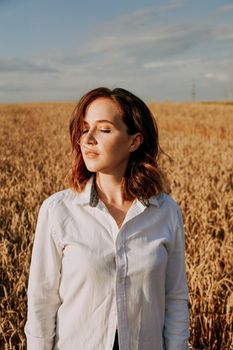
35 158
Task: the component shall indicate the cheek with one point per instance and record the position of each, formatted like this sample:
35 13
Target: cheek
82 153
119 146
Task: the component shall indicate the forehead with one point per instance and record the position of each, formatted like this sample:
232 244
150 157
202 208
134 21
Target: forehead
103 109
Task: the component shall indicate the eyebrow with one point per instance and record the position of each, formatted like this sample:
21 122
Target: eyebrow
102 121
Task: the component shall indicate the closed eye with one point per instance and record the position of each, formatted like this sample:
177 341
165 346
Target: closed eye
105 130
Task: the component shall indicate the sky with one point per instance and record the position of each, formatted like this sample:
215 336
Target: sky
165 50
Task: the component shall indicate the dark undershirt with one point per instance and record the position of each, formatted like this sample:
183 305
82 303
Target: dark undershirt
116 346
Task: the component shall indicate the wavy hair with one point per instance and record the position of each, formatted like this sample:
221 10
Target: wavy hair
143 177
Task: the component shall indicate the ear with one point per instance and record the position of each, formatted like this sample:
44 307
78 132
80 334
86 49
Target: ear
136 141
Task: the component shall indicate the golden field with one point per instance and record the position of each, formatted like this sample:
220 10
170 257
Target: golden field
35 158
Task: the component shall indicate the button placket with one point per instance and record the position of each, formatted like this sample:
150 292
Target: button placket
121 270
120 260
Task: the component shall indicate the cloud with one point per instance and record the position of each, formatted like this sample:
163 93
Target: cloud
218 76
223 32
24 66
144 15
142 51
226 8
132 42
170 63
152 41
143 32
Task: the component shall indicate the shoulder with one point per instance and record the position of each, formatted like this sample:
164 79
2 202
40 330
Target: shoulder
167 204
167 200
164 200
58 199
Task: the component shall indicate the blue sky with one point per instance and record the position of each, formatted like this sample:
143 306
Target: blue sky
53 50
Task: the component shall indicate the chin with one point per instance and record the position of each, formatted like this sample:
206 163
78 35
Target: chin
92 168
98 169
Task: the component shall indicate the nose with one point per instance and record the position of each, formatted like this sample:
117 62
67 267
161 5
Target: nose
88 138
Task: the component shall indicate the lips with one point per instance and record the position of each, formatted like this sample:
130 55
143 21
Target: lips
90 153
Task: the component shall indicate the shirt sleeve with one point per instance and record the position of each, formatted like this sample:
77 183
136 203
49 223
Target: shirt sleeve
176 329
44 279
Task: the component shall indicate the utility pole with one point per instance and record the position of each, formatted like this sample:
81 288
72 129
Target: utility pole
193 91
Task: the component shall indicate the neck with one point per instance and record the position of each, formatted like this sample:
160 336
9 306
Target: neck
109 188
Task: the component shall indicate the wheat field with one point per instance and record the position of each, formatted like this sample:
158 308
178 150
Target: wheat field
35 158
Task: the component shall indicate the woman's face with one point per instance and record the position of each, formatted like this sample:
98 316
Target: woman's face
105 143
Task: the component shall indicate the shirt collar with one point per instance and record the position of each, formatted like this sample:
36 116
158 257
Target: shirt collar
89 196
83 198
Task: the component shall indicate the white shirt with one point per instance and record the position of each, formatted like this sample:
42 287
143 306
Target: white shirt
88 277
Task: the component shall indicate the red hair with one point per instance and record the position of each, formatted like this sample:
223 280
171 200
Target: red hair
143 177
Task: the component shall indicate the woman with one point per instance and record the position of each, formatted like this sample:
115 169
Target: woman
108 255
